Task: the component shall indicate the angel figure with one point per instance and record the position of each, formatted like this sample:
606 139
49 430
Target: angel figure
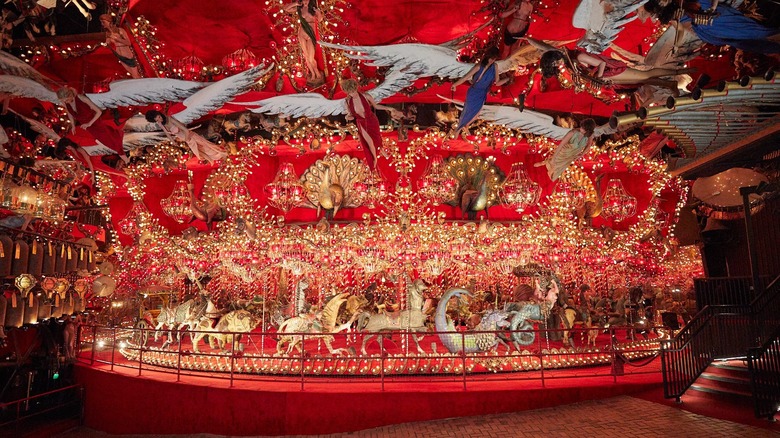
518 24
309 17
573 145
482 76
361 109
726 26
200 98
119 43
602 69
203 149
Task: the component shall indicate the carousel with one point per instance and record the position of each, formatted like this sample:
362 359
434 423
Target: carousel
326 188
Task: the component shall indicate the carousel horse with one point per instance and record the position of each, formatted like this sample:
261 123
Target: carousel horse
188 313
411 319
319 324
572 316
235 322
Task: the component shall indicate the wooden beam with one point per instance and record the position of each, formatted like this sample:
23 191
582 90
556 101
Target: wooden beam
772 129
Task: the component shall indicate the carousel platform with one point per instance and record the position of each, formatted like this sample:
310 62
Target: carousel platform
120 401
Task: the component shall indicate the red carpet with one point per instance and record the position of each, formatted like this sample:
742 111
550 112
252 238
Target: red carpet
711 406
119 402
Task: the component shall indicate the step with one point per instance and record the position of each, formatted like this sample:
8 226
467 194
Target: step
741 383
735 369
714 387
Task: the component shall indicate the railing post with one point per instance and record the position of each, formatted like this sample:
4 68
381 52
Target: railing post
303 351
140 358
751 238
614 353
232 357
463 356
541 353
381 362
94 344
113 347
178 365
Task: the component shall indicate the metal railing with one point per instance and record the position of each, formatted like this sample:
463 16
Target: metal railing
764 367
57 405
715 291
256 357
717 331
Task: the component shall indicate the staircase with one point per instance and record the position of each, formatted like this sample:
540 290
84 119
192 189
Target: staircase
726 380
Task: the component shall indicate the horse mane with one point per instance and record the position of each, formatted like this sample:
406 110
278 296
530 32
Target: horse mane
331 311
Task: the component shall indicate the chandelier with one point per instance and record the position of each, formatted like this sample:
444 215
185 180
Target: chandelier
618 204
177 205
190 68
372 191
437 185
372 259
238 61
436 260
285 192
130 224
575 193
292 256
519 191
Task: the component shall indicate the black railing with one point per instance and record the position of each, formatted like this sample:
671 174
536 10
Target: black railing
23 415
715 332
715 291
764 367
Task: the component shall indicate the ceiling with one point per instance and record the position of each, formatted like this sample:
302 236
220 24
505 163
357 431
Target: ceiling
212 30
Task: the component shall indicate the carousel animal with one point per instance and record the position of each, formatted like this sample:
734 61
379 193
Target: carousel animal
523 313
188 313
571 317
319 324
484 337
411 319
221 335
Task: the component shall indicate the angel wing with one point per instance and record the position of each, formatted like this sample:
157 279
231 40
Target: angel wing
527 120
24 87
139 92
603 21
300 105
664 54
38 127
12 65
138 139
217 94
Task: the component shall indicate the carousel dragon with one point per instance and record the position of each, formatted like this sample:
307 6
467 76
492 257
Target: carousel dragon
483 338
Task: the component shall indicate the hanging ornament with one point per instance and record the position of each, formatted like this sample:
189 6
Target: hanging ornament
238 61
177 205
24 283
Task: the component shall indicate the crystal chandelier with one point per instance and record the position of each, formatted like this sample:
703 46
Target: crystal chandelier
436 260
238 61
618 204
292 256
575 193
130 224
519 191
372 191
371 259
190 68
177 205
437 185
285 192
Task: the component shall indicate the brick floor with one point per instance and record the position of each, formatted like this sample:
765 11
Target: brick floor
616 417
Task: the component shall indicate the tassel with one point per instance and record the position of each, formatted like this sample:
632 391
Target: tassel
56 300
70 253
51 250
81 254
34 248
30 299
2 253
62 253
18 253
13 299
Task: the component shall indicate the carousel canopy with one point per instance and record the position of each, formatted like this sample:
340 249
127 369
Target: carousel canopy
290 188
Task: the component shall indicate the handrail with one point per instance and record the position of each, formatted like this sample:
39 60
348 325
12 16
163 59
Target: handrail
764 367
18 416
716 331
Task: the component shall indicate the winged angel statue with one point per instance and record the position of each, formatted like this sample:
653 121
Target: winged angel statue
407 63
198 99
602 21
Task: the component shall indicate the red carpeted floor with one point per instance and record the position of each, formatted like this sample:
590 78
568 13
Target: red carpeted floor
120 402
711 406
